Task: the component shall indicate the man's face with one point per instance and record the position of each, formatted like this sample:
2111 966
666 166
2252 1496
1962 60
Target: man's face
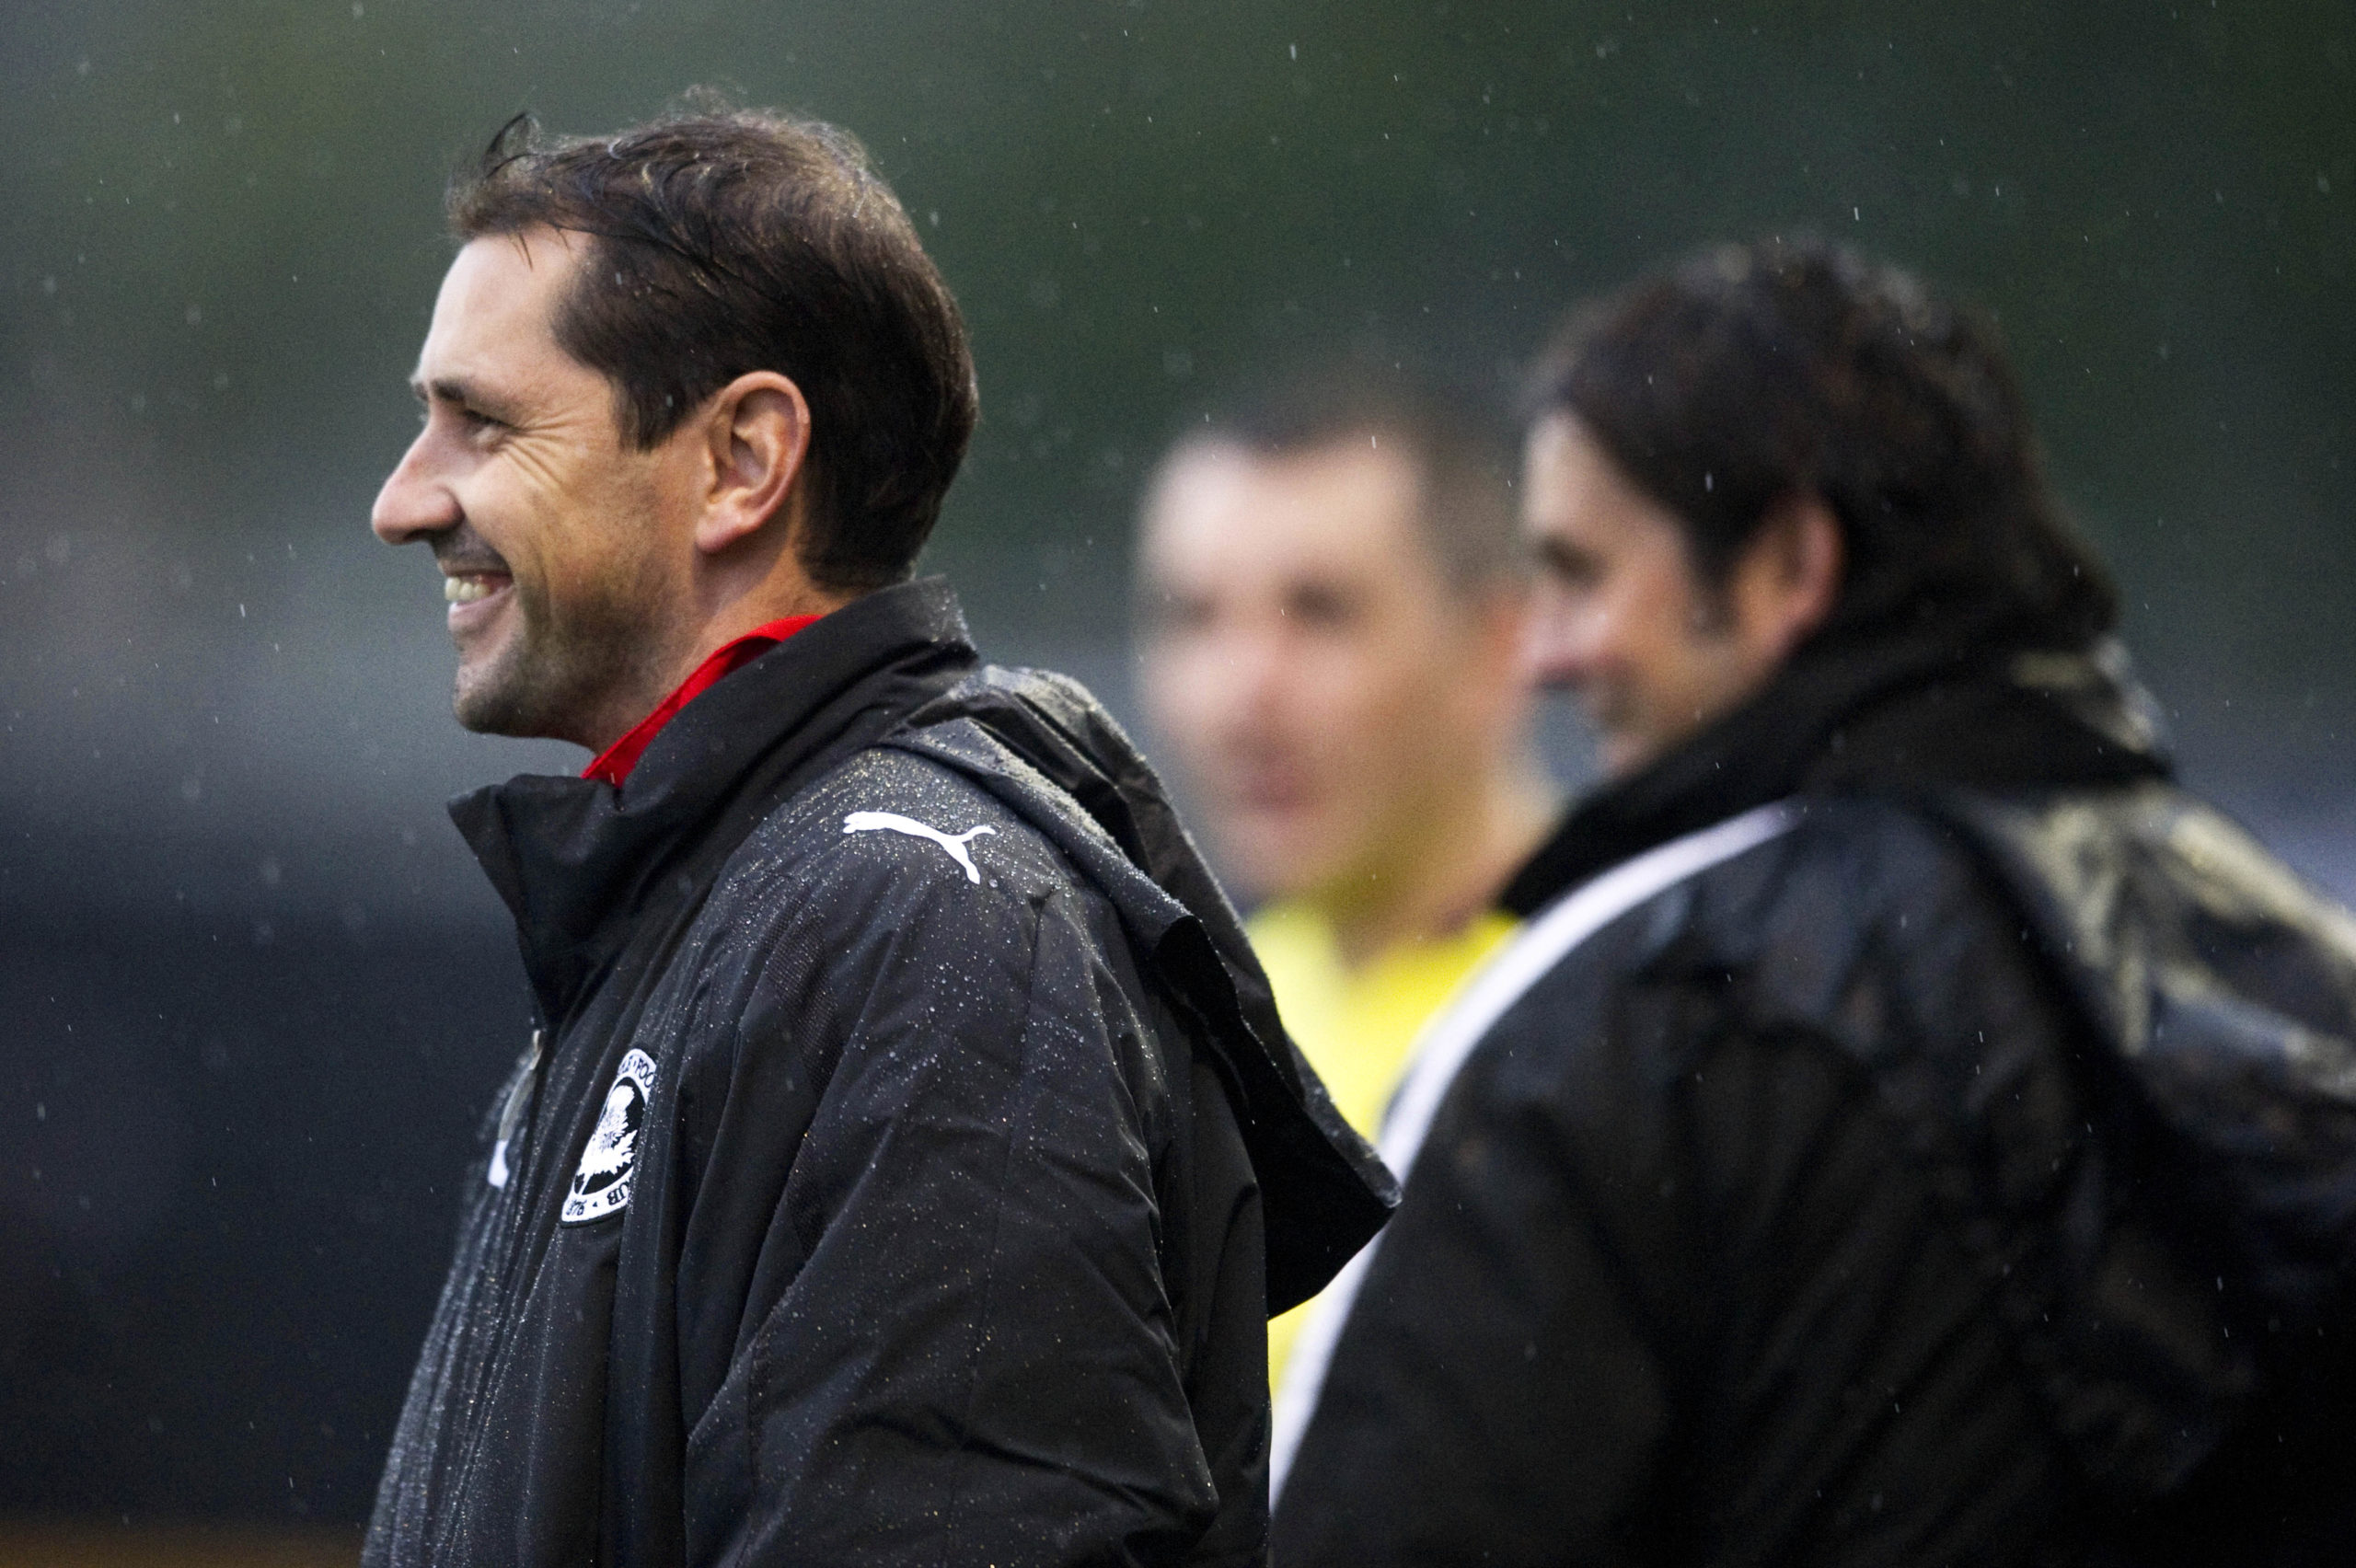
1619 615
1318 680
558 545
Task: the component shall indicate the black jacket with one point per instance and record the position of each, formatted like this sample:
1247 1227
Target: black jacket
913 1158
1965 1174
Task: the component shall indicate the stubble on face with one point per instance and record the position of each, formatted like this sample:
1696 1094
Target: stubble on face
558 663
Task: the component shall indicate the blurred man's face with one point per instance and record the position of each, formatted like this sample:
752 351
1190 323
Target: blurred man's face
1319 681
1619 617
556 543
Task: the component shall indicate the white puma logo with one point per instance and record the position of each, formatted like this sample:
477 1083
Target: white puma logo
891 822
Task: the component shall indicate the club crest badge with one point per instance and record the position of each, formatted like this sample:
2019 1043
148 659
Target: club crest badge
609 1165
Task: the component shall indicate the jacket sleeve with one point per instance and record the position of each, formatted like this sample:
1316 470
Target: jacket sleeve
956 1342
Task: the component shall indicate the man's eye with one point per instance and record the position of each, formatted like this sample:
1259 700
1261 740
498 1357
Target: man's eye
470 422
1322 606
1571 570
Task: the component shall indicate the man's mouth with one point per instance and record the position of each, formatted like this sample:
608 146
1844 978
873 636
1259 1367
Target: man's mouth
477 599
1271 789
466 587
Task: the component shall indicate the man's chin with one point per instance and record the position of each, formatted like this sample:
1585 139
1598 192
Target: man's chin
1623 745
1284 865
481 718
1621 756
558 693
486 704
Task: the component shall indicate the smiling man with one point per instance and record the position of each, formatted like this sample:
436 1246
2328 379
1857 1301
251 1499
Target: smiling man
551 529
1907 1128
908 1155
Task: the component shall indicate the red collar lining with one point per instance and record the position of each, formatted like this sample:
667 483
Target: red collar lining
614 764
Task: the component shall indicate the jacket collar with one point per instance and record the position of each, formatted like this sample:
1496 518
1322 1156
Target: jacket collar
1980 707
580 861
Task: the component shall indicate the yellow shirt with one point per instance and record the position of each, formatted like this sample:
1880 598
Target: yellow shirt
1355 1026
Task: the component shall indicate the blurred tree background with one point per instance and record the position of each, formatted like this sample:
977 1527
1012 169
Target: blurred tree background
252 997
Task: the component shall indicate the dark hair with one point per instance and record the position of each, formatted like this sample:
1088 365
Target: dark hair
1748 374
732 240
1458 448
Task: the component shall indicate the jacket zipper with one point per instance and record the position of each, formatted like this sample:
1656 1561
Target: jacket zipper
527 1078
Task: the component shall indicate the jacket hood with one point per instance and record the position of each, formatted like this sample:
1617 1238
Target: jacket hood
2225 992
1041 744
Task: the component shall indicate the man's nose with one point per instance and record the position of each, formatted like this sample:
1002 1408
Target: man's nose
1557 641
414 500
1256 674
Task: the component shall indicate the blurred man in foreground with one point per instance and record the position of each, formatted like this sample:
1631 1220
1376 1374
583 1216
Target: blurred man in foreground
904 1165
1909 1129
1334 595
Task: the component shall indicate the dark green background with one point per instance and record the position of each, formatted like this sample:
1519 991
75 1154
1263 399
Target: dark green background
226 901
1135 203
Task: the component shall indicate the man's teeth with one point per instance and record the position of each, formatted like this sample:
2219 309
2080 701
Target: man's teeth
464 589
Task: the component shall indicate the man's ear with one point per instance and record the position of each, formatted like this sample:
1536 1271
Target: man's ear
1790 577
757 434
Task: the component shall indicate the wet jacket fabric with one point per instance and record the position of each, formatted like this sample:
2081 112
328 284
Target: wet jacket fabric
1965 1174
909 1161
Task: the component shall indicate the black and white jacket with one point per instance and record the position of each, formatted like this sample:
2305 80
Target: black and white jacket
908 1163
1907 1131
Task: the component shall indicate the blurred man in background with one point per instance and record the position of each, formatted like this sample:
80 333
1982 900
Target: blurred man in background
1909 1129
1333 591
902 1171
